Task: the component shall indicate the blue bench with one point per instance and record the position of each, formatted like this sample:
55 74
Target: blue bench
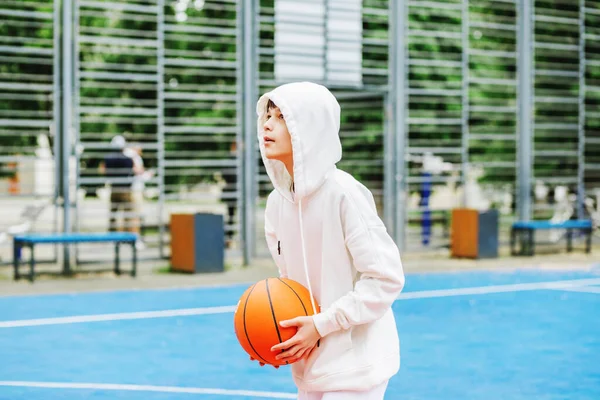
524 232
30 240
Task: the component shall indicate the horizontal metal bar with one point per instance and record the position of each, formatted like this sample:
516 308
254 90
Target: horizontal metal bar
434 63
118 41
557 179
200 163
490 81
26 50
492 109
434 92
21 96
432 179
553 72
26 14
555 153
556 100
492 136
497 164
34 87
199 96
113 6
591 11
117 120
118 76
26 122
182 62
116 32
434 34
434 150
117 67
108 14
200 29
118 110
113 50
435 5
592 140
556 46
556 127
491 25
117 102
592 88
117 85
26 40
434 121
556 20
592 63
492 53
200 129
27 60
25 77
591 36
592 115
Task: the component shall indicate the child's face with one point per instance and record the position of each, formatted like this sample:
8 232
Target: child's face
278 143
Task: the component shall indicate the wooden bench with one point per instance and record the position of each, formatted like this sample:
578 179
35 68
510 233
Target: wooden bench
524 232
31 240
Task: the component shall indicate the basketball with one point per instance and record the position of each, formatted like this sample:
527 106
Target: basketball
261 308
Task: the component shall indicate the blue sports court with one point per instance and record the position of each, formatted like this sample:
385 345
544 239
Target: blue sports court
517 334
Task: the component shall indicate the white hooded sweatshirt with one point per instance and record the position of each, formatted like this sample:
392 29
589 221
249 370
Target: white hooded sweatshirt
326 235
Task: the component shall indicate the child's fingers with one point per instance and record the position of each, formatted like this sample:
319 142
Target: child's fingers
291 322
285 345
291 352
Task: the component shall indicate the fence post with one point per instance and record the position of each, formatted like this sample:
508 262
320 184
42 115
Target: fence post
398 113
67 121
249 67
525 89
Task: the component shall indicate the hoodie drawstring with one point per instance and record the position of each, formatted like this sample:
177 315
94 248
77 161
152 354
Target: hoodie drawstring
312 301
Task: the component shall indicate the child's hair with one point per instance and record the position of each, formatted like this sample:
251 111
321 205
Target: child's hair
271 105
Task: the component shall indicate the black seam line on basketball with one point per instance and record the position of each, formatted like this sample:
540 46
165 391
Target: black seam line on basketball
245 330
302 303
297 295
272 310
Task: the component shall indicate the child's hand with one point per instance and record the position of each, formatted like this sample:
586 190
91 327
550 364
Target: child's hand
302 343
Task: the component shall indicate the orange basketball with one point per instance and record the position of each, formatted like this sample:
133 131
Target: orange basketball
259 311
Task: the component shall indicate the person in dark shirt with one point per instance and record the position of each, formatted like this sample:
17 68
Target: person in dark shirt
119 170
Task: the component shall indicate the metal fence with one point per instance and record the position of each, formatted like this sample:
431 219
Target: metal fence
444 104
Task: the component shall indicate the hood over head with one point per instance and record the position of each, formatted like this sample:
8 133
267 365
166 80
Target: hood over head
312 116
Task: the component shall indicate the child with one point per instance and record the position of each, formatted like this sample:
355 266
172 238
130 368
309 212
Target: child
323 231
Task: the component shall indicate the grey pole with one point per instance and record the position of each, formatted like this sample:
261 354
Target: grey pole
389 167
160 122
581 125
249 79
67 125
398 102
525 99
465 98
56 110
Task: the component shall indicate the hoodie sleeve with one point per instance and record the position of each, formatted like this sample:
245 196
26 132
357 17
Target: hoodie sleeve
377 261
271 212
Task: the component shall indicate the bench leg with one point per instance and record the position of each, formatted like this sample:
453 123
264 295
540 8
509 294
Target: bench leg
16 260
117 268
531 241
134 259
588 240
32 263
513 240
569 240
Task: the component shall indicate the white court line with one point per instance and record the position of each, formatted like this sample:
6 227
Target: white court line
582 289
424 294
149 388
119 316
